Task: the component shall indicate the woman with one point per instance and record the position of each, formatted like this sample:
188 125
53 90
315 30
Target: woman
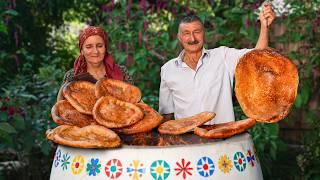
94 61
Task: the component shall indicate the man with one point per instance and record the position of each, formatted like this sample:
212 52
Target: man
201 79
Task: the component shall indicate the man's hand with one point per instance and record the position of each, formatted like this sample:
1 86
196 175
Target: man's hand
267 15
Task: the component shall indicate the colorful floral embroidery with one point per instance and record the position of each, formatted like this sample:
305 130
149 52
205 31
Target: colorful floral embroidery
250 158
113 168
239 161
225 164
65 161
205 167
160 170
136 170
57 157
93 168
183 168
77 164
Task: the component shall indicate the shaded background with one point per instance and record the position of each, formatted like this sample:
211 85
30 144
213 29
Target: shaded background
38 44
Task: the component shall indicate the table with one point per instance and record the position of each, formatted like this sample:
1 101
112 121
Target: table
232 158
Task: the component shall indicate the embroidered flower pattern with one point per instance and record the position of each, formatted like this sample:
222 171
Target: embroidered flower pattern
77 164
65 161
93 168
225 164
160 170
136 169
205 167
57 157
239 161
183 168
113 168
250 158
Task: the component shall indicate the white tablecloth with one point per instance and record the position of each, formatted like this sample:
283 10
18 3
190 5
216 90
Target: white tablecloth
233 158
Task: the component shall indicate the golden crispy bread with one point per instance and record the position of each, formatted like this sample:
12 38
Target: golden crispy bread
180 126
266 85
150 120
118 89
113 113
80 95
92 136
63 113
224 130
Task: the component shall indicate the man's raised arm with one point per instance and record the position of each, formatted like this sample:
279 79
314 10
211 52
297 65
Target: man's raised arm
266 17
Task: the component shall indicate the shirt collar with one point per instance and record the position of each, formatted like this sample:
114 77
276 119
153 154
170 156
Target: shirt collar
179 59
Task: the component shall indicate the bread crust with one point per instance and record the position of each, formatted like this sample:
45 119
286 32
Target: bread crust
92 136
224 130
151 120
113 113
64 114
118 89
80 95
266 85
181 126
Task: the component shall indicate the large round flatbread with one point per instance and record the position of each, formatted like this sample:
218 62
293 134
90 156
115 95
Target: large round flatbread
224 130
80 95
266 85
92 136
150 120
181 126
63 113
118 89
113 113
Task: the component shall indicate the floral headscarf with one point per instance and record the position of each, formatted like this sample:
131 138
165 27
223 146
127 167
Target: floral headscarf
80 66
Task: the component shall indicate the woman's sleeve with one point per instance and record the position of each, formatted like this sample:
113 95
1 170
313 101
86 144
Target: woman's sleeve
68 77
127 77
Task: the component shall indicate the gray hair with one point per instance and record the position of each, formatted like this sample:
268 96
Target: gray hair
188 19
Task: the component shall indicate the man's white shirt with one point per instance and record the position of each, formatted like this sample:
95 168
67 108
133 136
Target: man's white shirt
186 92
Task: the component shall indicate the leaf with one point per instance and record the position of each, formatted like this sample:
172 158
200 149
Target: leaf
297 37
298 101
18 122
3 28
28 142
45 147
273 154
306 90
29 96
202 16
3 116
174 44
243 31
273 129
11 12
11 103
6 127
5 139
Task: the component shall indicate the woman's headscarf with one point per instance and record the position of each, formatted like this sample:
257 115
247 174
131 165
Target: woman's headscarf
80 66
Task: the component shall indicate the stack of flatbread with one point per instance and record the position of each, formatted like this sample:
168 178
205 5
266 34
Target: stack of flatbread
91 113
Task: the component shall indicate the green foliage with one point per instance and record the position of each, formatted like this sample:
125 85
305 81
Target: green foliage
303 27
31 73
